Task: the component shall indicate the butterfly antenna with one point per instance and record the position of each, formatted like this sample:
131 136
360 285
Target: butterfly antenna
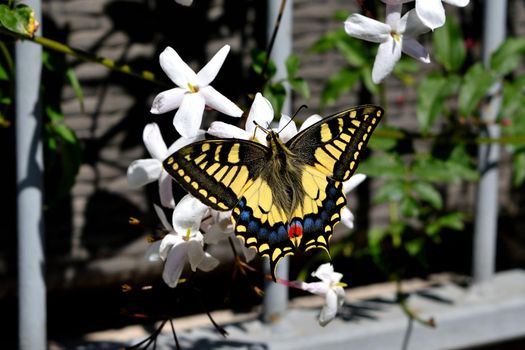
293 117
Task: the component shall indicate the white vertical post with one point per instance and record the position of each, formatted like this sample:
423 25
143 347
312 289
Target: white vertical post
275 300
28 124
486 221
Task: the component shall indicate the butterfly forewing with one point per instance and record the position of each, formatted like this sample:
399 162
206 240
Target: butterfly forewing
335 144
217 172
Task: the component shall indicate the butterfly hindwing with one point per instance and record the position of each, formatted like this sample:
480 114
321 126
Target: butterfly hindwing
335 145
217 171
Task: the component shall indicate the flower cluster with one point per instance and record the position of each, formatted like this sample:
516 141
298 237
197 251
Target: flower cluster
193 225
398 33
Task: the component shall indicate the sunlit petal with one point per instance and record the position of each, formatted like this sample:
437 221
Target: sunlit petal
154 142
353 182
388 54
219 102
290 129
175 264
143 171
188 215
208 263
195 254
311 120
210 70
165 190
413 24
365 28
347 218
261 113
460 3
162 217
225 130
329 310
167 243
176 69
152 252
431 13
188 118
184 141
167 100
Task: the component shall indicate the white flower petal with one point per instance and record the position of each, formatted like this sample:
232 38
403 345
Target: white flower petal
431 13
184 141
167 100
154 142
326 273
208 263
365 28
393 14
162 217
261 112
168 243
143 171
188 118
219 102
329 309
188 214
318 288
290 129
225 130
388 54
413 24
210 70
353 182
175 264
165 190
195 254
414 49
347 218
460 3
176 69
311 120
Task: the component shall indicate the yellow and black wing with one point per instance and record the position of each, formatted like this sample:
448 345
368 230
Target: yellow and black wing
330 150
334 145
217 172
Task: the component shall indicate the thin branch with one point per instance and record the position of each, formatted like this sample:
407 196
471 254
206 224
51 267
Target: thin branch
85 56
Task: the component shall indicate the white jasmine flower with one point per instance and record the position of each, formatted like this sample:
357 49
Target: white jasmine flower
193 92
144 171
184 2
347 218
183 243
261 112
431 12
395 36
330 287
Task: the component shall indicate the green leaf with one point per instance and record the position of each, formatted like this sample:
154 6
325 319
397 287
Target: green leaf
430 100
390 191
518 168
385 166
448 44
460 164
275 93
409 207
415 246
508 56
453 221
353 50
259 61
327 42
425 167
72 78
341 15
428 193
292 65
383 143
476 83
20 19
338 84
301 86
4 75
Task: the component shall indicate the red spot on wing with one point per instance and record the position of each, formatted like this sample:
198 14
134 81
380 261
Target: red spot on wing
295 230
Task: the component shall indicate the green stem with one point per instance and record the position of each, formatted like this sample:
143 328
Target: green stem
85 56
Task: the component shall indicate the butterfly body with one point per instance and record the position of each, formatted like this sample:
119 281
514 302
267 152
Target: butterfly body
284 196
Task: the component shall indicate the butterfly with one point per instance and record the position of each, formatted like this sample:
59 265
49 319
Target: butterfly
284 196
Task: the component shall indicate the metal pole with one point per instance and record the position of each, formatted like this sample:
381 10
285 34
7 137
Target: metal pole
31 283
486 221
275 300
